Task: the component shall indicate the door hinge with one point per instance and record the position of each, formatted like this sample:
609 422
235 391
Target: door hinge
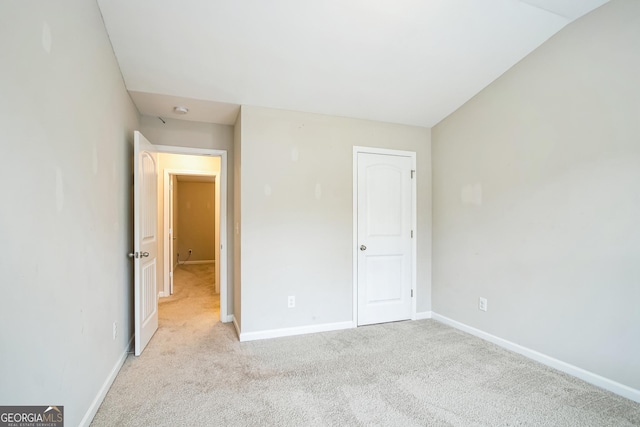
411 293
412 173
171 274
412 234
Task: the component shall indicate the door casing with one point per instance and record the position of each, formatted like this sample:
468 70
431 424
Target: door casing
168 261
221 190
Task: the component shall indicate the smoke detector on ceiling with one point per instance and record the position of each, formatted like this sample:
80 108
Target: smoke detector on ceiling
180 110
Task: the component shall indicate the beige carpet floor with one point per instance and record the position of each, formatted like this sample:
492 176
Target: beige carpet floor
418 373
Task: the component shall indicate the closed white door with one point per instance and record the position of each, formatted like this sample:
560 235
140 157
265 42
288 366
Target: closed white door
145 255
384 233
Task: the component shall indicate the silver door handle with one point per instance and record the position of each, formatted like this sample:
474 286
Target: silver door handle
363 248
138 254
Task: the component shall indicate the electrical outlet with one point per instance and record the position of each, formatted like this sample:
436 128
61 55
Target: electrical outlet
291 302
115 330
482 304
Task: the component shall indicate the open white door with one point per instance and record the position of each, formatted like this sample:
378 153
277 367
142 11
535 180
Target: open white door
384 238
145 241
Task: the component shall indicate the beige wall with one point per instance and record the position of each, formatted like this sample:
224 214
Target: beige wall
295 243
536 201
196 206
66 130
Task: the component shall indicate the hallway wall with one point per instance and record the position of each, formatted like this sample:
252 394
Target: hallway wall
196 220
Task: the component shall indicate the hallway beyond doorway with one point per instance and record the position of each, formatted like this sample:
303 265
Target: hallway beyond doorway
194 299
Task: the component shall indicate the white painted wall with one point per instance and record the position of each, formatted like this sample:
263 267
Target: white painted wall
298 241
536 201
66 129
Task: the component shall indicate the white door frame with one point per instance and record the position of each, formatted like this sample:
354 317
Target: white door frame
168 262
221 189
414 210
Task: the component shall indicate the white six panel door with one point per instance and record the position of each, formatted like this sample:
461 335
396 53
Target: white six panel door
385 216
145 232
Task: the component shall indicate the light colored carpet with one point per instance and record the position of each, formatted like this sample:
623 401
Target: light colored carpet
421 373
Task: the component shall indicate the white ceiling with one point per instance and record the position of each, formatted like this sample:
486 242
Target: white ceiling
403 61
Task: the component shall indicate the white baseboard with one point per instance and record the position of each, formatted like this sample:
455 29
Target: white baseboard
97 401
202 261
423 315
590 377
227 319
300 330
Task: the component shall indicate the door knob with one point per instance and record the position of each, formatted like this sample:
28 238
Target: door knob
138 254
363 248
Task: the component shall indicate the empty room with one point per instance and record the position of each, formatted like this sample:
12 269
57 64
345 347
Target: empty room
320 213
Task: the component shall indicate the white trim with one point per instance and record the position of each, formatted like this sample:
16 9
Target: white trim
228 319
203 261
354 257
176 149
167 173
590 377
102 393
222 182
414 240
423 315
414 218
287 332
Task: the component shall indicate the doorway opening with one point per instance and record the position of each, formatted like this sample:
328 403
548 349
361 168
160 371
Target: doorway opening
192 208
151 251
192 193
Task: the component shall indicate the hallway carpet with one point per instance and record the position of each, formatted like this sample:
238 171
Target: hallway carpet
416 373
